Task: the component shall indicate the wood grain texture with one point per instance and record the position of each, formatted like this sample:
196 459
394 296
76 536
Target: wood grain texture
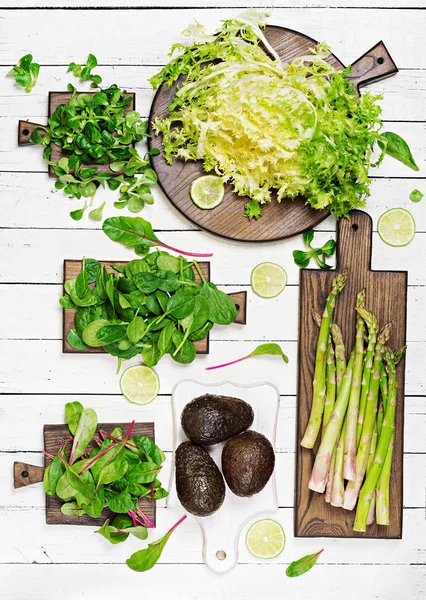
386 297
279 220
54 435
25 474
26 128
73 267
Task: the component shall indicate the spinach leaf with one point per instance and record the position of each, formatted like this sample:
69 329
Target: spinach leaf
136 329
165 338
108 334
90 332
180 305
222 309
301 566
146 282
168 263
185 349
167 281
73 411
75 341
66 302
150 354
395 146
83 435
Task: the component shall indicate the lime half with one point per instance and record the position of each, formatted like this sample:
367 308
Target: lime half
268 280
396 227
265 539
207 192
140 384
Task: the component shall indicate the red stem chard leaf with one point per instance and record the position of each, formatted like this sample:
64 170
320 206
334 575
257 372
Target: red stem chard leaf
303 565
84 433
270 348
73 412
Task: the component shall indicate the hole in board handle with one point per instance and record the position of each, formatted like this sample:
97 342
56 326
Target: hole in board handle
220 555
25 474
25 132
380 60
354 227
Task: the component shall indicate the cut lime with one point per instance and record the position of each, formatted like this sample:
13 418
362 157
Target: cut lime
207 192
140 384
268 280
396 227
265 539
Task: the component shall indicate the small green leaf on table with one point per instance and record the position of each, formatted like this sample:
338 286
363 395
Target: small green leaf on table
303 565
416 196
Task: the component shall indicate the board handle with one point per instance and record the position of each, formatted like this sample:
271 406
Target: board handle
375 64
354 241
240 301
25 129
24 474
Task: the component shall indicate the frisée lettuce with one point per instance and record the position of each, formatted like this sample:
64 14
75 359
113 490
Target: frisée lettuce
272 130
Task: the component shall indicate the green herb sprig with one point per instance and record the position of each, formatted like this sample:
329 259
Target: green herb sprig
394 145
152 306
25 72
303 258
98 129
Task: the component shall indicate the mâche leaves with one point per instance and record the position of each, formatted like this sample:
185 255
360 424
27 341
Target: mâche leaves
270 348
301 566
394 145
303 258
25 72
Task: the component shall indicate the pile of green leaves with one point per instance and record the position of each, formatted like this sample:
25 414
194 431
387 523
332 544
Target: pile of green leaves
151 306
25 72
98 128
90 473
303 258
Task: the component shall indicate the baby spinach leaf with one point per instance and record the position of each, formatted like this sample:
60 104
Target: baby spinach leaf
303 565
416 196
146 282
75 341
145 559
136 329
168 263
167 281
71 509
165 337
222 309
73 411
185 349
108 334
201 333
397 147
181 304
138 265
89 334
150 354
83 436
66 302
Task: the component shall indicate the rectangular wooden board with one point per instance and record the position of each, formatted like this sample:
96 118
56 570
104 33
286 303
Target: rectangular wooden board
57 98
73 267
386 297
54 435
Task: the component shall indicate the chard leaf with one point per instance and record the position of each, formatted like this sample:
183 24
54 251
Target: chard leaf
83 435
271 348
72 509
73 412
303 565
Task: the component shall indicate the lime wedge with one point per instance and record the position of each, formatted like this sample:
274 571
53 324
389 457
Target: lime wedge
396 227
268 280
265 539
139 384
207 192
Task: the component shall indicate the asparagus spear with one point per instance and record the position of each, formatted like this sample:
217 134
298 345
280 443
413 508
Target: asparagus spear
380 415
371 512
340 354
330 390
319 383
338 486
384 386
329 484
353 487
382 489
319 473
373 447
388 427
350 445
366 374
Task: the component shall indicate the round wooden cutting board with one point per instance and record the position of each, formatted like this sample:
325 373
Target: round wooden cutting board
279 220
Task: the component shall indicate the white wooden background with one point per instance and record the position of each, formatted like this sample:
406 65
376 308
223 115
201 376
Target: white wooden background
131 41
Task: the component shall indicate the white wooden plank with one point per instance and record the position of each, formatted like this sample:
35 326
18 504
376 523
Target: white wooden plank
149 34
231 263
404 94
27 538
30 201
241 4
180 582
55 373
19 322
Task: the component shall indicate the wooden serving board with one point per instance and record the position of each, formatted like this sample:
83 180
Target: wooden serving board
222 530
25 129
54 435
279 220
386 297
73 267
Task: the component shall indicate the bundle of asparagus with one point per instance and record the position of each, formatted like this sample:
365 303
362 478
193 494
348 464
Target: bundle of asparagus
353 408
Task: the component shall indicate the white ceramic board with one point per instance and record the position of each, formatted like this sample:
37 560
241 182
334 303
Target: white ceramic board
221 531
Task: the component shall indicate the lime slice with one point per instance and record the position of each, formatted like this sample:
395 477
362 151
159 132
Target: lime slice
396 227
268 280
139 384
207 192
265 539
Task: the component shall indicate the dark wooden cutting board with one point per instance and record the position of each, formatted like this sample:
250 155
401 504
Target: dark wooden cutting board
73 267
386 297
25 474
279 220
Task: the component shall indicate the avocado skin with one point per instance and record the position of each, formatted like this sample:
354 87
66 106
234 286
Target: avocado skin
248 462
199 483
211 419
